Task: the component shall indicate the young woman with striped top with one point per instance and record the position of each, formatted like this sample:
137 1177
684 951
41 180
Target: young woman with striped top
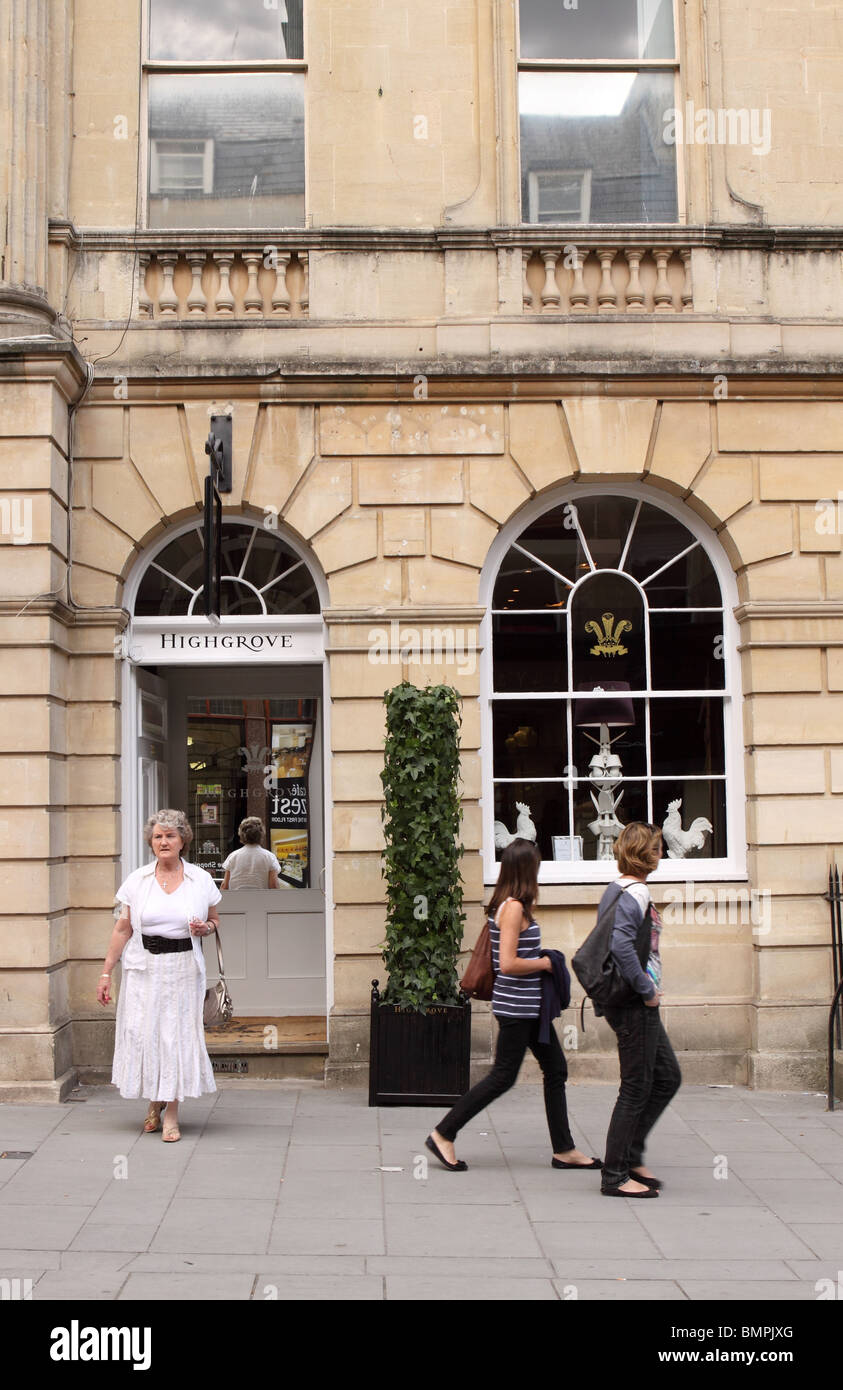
516 1003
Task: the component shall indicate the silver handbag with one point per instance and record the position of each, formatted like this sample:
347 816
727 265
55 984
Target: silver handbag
218 1007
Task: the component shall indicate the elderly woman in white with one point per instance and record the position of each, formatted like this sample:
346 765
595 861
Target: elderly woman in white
168 906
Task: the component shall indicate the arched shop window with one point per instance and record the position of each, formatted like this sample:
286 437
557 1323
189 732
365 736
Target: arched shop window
609 695
261 575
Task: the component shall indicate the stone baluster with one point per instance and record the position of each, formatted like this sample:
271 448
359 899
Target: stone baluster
224 300
579 293
253 300
197 304
281 295
663 294
168 304
144 301
551 298
634 290
607 295
688 286
304 301
527 293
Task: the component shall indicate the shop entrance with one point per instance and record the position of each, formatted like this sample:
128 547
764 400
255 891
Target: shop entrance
225 745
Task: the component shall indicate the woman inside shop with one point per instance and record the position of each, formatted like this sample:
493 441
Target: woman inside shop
168 906
516 1004
650 1075
252 866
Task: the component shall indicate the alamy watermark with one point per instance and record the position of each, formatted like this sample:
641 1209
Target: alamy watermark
16 519
452 646
700 125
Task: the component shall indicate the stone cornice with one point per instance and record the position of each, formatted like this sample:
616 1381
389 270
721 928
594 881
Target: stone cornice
43 357
425 239
365 381
775 609
69 616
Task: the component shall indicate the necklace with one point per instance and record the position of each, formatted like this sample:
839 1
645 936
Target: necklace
167 883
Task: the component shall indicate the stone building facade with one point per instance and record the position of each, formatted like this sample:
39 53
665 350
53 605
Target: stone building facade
418 374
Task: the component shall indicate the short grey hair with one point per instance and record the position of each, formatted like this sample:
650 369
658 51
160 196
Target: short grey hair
173 820
251 831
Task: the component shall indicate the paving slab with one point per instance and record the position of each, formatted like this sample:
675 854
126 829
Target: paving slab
454 1229
332 1195
683 1230
215 1226
448 1289
825 1241
620 1239
223 1286
116 1235
318 1236
56 1285
747 1290
622 1267
39 1226
620 1290
287 1288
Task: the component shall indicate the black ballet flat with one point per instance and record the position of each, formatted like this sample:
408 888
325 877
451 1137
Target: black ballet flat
588 1167
459 1167
616 1192
655 1183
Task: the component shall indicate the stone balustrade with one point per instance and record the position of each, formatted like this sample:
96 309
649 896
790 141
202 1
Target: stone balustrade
607 279
261 282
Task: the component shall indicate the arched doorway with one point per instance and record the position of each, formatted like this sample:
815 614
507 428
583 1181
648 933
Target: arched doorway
225 719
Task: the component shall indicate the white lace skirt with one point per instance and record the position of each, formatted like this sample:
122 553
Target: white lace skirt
159 1048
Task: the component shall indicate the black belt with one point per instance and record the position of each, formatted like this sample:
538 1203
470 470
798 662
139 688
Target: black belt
160 945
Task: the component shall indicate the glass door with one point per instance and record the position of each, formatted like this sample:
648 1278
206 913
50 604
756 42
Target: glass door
246 744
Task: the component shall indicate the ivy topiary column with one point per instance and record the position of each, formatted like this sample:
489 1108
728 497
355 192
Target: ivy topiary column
421 817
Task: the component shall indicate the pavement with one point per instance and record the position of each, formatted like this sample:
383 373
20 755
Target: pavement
289 1191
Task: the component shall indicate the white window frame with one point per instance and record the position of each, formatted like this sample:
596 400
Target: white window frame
606 65
157 147
733 866
149 66
534 188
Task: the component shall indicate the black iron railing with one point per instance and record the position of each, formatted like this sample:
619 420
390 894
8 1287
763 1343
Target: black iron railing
835 1014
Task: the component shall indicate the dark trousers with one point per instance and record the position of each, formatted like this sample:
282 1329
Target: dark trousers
650 1078
514 1037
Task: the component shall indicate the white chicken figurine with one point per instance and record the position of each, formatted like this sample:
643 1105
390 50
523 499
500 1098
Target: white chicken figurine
524 828
680 841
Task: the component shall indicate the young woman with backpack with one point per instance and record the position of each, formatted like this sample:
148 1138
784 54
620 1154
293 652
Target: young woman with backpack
516 1003
650 1075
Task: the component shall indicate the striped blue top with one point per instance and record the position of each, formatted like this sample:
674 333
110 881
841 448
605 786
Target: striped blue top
516 996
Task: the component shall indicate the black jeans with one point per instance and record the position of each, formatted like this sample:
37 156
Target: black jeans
514 1037
650 1078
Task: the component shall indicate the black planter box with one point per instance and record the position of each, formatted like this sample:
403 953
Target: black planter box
418 1059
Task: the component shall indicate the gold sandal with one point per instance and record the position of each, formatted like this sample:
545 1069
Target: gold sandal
153 1117
171 1134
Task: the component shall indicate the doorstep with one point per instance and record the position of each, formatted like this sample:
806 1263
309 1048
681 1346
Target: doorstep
270 1046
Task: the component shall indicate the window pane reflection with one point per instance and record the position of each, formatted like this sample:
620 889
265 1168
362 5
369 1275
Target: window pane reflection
226 150
224 30
530 651
529 738
597 29
547 804
607 125
699 800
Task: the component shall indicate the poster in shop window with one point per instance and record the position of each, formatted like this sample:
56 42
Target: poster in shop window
289 801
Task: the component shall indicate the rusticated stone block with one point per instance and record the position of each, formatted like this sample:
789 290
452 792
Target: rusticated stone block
412 429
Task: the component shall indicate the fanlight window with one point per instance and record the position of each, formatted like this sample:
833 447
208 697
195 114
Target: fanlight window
260 576
609 683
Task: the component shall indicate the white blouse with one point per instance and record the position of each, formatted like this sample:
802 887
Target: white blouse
200 895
